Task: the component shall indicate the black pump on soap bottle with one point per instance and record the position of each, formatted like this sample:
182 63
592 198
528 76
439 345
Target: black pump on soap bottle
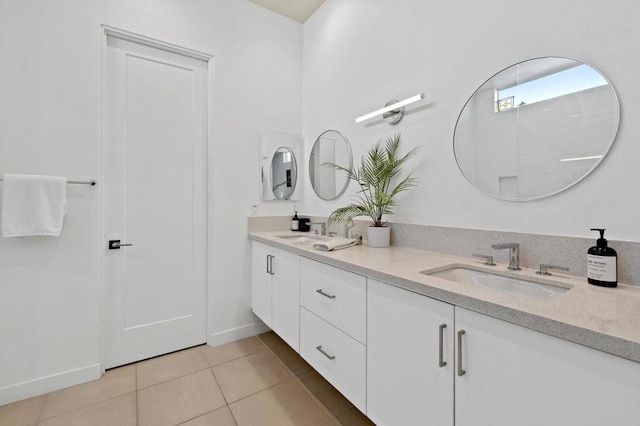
602 263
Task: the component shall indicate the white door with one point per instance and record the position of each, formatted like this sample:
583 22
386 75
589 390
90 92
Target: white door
155 199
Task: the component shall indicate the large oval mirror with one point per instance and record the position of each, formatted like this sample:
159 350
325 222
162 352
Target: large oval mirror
284 173
331 147
536 128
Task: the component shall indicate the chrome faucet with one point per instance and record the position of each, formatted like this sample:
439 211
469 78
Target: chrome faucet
544 266
323 227
514 254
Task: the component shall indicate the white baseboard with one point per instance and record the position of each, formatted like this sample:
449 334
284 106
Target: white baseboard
51 383
228 336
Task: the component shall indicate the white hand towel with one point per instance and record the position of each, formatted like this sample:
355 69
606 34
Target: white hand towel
33 205
337 243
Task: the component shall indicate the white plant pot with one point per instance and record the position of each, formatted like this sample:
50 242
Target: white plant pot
379 236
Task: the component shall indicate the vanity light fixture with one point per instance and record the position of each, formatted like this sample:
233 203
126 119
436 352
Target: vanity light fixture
393 111
593 157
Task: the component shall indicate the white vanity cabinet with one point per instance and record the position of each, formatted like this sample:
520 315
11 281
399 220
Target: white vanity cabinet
409 358
517 376
333 317
275 291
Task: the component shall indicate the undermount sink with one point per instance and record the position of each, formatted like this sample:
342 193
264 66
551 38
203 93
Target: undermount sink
500 283
302 238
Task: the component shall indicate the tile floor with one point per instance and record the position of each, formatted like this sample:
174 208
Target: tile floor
255 381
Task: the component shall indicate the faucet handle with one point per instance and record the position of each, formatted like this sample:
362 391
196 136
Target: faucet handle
488 259
545 266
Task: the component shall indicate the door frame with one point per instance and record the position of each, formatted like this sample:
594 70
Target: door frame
106 32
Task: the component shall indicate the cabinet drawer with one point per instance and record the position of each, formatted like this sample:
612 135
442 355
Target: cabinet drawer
337 357
335 295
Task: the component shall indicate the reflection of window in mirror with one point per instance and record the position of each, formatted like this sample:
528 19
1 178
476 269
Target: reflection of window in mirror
549 86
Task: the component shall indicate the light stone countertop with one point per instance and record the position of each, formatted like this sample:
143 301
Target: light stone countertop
607 319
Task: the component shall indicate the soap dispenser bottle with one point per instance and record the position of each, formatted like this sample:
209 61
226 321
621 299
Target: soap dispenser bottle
602 263
295 222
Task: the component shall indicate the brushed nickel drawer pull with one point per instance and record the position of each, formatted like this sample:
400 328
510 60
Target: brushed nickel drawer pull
461 372
330 296
331 357
441 361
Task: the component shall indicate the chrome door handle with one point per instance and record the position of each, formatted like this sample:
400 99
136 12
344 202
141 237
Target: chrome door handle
441 361
329 296
461 372
331 357
116 244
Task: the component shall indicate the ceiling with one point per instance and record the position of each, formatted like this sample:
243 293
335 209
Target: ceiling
298 10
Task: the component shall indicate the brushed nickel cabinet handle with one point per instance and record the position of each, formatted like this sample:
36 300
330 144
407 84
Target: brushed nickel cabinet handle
441 361
331 357
268 262
461 372
271 265
330 296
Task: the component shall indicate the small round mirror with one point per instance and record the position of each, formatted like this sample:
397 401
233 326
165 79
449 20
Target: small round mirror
536 128
284 173
331 147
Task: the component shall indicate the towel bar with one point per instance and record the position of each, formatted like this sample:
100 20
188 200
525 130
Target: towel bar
91 182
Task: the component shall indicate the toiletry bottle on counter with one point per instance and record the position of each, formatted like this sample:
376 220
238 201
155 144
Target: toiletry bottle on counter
295 223
602 263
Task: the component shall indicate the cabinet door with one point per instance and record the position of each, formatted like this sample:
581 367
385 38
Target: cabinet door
517 376
285 312
261 281
406 384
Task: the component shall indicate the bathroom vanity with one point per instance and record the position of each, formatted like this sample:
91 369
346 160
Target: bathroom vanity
407 346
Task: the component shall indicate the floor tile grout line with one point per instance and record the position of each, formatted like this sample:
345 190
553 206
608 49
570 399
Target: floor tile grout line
89 405
173 378
234 359
223 396
219 387
177 377
261 390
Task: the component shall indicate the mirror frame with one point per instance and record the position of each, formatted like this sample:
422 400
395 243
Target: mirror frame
346 183
573 183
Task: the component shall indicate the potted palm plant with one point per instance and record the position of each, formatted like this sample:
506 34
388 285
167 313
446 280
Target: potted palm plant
379 181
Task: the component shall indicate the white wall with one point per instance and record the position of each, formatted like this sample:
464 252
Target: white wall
360 54
50 101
